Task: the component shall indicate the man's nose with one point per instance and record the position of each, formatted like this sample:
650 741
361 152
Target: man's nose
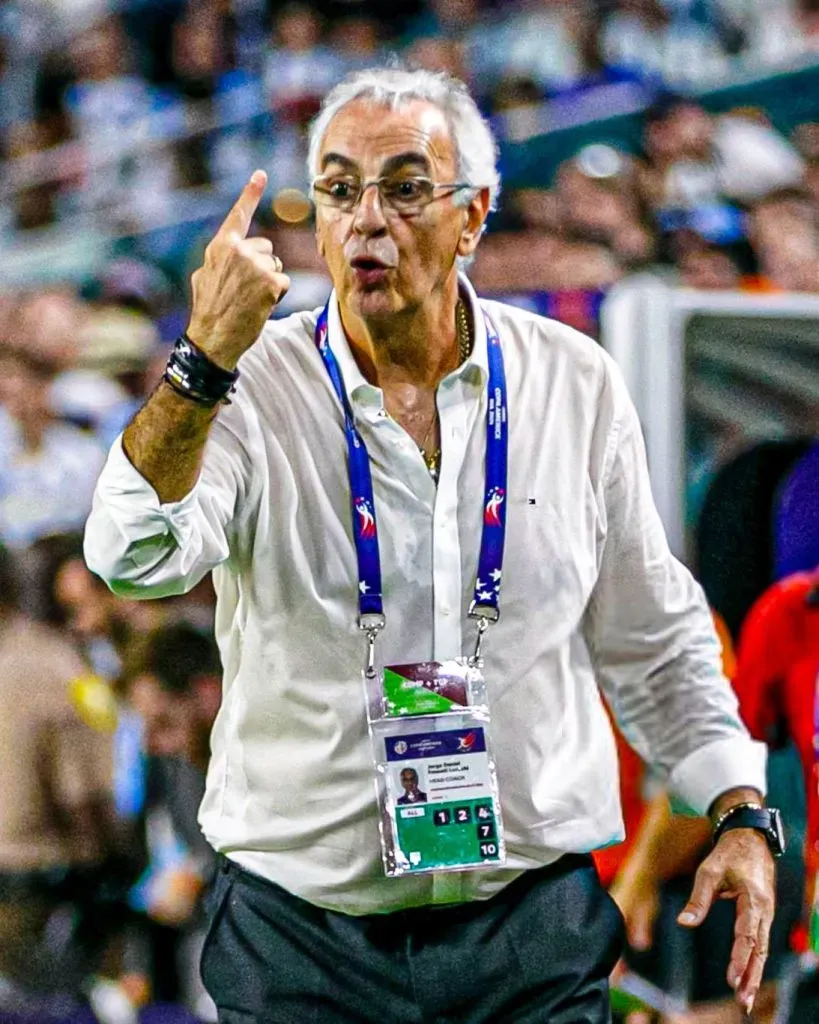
368 218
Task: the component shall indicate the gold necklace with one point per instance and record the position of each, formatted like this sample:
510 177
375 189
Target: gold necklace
464 333
433 460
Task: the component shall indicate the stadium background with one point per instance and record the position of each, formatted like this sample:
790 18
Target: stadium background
660 163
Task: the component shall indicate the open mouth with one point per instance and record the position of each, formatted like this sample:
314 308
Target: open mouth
367 263
369 272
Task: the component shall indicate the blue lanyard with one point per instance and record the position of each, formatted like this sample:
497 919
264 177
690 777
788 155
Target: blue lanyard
484 606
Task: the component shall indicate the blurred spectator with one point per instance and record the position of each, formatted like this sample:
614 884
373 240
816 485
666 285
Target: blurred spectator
437 53
299 69
57 828
118 118
24 33
47 468
697 159
536 261
663 41
537 208
471 34
46 325
112 377
595 70
541 43
704 265
780 30
356 40
518 100
600 203
101 624
806 138
199 53
149 25
172 678
784 232
34 204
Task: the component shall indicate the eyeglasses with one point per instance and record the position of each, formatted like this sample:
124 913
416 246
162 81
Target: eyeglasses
397 192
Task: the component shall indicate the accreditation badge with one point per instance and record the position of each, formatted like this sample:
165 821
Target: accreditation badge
435 775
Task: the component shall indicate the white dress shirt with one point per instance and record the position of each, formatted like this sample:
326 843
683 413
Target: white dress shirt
591 594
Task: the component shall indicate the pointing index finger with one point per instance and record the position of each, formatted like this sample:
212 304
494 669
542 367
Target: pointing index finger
239 219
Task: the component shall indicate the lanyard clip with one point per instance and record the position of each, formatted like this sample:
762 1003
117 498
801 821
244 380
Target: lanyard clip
484 613
371 623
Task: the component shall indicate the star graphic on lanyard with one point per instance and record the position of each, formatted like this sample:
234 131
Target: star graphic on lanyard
363 586
479 584
496 575
485 595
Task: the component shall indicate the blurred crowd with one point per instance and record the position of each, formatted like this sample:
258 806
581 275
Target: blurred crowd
143 119
139 119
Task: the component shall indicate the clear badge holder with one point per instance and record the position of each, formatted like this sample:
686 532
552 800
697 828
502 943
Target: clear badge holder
435 775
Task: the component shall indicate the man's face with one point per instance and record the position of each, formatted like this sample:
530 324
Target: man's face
24 391
86 605
416 252
409 781
169 719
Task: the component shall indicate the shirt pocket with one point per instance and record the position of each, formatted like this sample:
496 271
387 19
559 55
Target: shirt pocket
551 557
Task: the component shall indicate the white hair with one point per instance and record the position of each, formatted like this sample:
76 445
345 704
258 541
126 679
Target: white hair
395 87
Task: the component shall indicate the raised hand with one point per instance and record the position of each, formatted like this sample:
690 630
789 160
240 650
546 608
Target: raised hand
238 285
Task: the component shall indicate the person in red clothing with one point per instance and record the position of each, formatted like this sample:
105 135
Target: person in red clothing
777 684
652 876
778 645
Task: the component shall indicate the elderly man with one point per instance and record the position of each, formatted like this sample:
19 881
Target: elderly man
445 419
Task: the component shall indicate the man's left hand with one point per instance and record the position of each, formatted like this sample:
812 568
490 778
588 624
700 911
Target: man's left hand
741 868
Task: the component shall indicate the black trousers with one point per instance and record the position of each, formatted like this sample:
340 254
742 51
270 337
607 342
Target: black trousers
540 951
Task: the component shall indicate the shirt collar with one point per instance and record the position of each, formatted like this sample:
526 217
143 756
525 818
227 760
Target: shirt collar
359 390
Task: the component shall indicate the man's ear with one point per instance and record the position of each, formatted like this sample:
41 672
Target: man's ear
475 216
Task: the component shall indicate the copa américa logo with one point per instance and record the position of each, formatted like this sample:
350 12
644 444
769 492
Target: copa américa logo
492 512
366 518
466 743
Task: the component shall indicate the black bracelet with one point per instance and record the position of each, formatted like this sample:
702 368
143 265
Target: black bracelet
193 375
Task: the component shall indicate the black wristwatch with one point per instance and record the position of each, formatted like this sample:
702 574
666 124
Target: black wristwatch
766 820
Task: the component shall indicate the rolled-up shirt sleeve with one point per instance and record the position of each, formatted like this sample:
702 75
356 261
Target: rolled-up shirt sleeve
145 548
652 638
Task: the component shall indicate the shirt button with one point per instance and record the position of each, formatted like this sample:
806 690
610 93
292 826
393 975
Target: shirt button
446 610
